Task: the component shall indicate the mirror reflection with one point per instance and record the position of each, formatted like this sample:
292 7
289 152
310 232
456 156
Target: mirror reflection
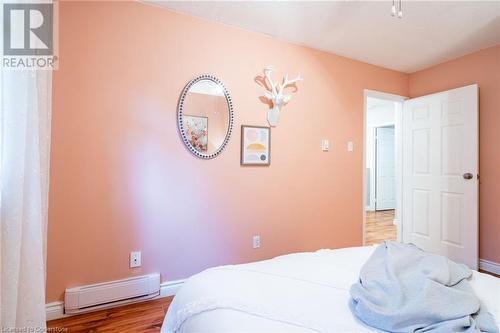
205 116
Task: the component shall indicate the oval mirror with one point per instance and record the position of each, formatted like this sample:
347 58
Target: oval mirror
205 116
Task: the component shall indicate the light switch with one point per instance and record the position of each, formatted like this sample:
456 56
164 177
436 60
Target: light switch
325 145
350 146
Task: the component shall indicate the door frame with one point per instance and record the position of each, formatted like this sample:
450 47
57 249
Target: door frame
398 122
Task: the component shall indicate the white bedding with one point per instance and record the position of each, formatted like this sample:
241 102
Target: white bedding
302 292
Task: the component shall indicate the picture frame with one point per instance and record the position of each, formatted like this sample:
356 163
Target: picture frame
255 145
196 129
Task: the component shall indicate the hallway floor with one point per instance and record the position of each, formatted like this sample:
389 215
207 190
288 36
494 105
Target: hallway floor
379 227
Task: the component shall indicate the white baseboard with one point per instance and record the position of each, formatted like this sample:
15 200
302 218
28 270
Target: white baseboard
489 266
55 310
170 288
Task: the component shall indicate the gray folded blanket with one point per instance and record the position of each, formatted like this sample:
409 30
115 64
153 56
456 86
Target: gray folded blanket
404 289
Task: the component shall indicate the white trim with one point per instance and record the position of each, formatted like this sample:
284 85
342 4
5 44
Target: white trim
399 169
384 95
398 123
55 310
489 266
170 288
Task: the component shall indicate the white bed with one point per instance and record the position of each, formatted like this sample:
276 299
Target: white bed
302 292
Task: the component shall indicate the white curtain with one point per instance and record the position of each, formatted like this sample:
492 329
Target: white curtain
25 103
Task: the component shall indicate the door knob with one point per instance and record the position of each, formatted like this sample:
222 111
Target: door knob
468 175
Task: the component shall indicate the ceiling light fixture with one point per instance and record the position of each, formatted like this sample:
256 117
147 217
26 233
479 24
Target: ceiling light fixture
399 11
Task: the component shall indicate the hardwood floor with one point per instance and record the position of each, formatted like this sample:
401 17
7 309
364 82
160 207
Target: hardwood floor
134 318
379 227
489 273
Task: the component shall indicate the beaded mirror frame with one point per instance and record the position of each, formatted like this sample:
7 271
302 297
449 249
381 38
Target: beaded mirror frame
180 113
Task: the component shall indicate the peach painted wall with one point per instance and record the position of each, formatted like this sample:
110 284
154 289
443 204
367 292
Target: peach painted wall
122 180
483 68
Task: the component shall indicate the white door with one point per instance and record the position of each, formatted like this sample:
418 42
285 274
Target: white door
440 167
385 168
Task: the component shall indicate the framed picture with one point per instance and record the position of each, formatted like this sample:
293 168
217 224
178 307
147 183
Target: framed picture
196 130
255 145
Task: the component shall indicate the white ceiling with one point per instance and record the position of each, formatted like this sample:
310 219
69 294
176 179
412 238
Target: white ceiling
430 32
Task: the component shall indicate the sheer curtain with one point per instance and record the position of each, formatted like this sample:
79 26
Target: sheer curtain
25 108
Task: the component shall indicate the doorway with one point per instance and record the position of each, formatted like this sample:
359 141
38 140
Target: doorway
382 166
436 172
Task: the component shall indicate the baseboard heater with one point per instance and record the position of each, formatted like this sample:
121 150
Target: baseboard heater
109 294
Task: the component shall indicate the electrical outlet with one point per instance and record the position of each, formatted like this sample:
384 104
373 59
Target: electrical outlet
135 259
256 241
